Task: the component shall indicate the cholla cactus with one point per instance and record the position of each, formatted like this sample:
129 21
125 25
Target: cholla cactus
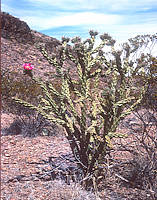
90 104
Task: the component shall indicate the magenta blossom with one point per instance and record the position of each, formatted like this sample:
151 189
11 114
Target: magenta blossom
28 66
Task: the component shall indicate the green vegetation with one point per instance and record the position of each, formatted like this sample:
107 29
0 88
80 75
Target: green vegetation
97 89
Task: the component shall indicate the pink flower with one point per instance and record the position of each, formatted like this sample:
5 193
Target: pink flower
28 66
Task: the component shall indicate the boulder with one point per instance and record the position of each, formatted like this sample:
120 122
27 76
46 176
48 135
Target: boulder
14 29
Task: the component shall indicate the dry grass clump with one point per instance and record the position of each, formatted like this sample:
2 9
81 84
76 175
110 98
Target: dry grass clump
72 191
53 190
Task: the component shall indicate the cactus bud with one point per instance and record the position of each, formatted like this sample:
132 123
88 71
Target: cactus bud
93 33
65 39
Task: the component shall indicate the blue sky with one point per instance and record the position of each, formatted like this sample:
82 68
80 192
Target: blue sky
122 19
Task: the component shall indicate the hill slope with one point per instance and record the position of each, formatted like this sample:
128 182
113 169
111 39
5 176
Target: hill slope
19 45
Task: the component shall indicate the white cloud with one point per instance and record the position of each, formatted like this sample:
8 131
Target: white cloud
84 18
132 5
111 5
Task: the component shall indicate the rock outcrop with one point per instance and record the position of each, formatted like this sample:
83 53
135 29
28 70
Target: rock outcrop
13 28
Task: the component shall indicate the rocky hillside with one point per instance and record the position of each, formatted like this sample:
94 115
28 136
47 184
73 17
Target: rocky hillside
19 45
14 29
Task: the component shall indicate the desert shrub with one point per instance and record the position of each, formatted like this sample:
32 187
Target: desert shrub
145 161
29 123
13 85
138 169
14 129
142 173
150 97
95 94
35 125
